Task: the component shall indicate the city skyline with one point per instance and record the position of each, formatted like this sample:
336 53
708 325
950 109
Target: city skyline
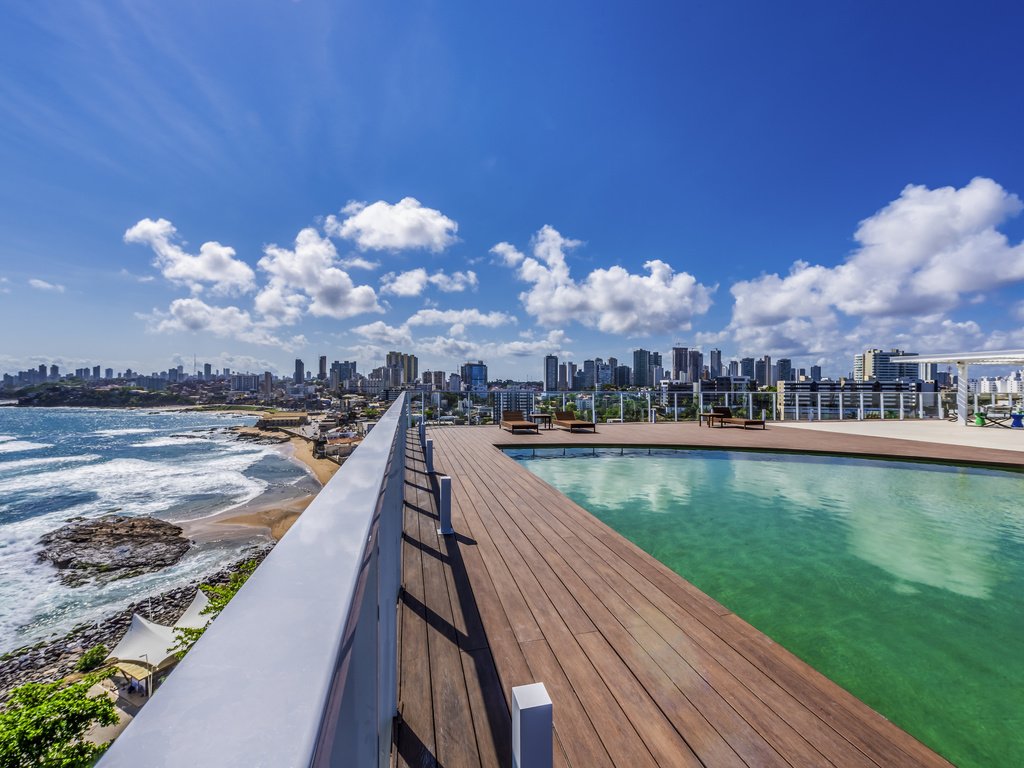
799 183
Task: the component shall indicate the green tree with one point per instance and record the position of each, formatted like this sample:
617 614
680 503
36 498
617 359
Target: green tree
219 596
44 725
92 658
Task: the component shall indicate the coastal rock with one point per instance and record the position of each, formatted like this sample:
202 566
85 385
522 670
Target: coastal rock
112 548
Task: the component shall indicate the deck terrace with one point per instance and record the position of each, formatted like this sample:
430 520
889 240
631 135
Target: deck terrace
642 668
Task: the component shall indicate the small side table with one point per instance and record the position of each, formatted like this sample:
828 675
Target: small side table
543 419
1016 420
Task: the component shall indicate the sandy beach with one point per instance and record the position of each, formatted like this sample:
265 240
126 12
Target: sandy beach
276 517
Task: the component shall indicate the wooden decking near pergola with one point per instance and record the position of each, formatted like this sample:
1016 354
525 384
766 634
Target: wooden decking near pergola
642 668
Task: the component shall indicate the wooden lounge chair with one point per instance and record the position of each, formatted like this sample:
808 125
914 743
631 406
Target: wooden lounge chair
725 417
568 419
514 420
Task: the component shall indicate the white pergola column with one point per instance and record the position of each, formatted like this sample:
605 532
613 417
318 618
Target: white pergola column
961 393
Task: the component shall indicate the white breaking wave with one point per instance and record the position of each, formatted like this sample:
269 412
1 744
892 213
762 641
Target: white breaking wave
13 446
115 432
52 460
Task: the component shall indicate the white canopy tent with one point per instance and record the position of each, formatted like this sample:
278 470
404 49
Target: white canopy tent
146 645
1008 357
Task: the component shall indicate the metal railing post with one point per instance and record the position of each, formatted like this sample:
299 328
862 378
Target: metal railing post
428 456
532 735
444 509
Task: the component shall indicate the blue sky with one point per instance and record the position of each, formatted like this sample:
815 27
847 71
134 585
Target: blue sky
252 183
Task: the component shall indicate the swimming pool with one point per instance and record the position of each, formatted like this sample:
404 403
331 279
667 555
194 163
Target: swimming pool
902 582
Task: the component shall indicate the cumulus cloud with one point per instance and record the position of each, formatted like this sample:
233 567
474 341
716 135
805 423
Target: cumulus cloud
414 281
42 285
922 255
460 318
195 315
307 278
384 333
612 300
5 285
215 263
384 227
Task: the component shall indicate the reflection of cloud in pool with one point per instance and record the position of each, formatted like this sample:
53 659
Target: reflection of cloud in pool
922 527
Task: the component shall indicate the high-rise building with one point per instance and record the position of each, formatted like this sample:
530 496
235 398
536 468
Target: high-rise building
747 367
348 370
96 372
694 365
679 363
300 372
54 372
715 366
641 368
878 365
602 373
322 375
563 379
570 376
268 383
622 376
815 373
410 365
226 373
474 375
761 373
107 374
207 371
785 369
550 373
734 368
455 383
588 374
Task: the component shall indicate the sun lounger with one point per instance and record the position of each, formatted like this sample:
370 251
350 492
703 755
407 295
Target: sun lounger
513 420
725 417
568 420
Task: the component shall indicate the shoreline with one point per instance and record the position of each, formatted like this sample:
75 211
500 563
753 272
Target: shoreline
274 516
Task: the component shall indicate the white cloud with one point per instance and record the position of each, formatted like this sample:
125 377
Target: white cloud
459 318
357 262
310 271
922 255
409 283
42 285
381 226
385 334
510 257
612 300
5 285
140 278
414 281
215 263
455 282
195 315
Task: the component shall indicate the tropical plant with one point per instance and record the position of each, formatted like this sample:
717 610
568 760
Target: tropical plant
44 724
92 658
219 596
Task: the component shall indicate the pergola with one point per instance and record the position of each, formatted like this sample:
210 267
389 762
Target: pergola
1007 357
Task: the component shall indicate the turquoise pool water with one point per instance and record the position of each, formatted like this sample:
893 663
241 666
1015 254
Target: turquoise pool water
902 582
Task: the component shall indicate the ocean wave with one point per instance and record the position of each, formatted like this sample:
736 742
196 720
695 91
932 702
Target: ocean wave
13 446
115 432
50 461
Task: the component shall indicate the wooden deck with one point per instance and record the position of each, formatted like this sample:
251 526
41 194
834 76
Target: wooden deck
643 669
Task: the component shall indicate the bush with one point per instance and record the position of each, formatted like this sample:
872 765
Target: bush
92 658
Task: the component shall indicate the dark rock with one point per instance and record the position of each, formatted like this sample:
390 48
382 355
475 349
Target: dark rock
112 547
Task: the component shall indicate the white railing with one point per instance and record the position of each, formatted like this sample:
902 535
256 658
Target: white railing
298 670
459 408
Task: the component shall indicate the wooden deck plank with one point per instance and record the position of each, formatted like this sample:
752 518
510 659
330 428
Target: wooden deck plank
640 664
454 730
415 734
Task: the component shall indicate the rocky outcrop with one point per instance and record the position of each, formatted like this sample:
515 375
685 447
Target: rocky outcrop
113 547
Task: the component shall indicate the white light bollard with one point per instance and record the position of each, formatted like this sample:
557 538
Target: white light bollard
444 505
532 740
428 456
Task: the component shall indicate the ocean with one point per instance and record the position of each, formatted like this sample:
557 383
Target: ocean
58 463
